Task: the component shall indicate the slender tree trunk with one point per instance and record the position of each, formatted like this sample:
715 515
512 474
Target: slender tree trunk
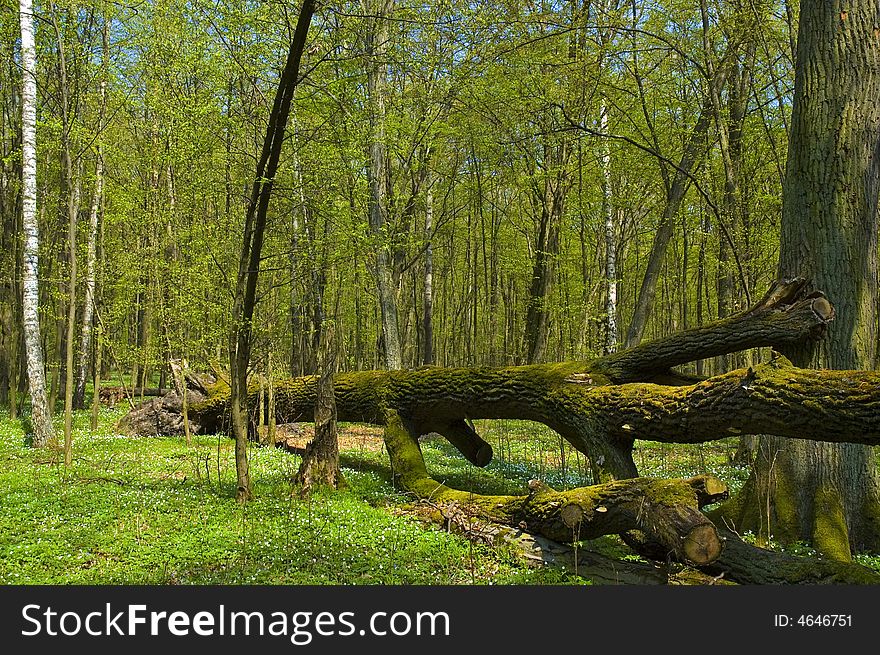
674 197
40 418
71 327
428 318
733 198
252 245
377 52
271 424
731 205
298 332
610 240
96 401
85 341
72 186
828 494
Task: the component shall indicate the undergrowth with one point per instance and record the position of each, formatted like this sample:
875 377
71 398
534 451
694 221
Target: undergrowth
154 511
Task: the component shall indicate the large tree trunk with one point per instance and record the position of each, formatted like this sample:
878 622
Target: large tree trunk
40 419
825 493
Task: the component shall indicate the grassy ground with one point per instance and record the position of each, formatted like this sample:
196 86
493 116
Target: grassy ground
153 511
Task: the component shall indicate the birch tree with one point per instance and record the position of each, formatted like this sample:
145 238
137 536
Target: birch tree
40 418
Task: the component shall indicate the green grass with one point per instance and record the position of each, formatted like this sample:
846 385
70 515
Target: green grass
152 511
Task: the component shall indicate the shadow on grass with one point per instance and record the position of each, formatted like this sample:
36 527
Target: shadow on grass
444 465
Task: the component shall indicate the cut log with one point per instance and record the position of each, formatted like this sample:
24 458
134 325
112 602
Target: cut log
538 551
743 563
668 510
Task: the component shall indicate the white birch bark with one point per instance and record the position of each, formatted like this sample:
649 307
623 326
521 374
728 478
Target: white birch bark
610 240
40 418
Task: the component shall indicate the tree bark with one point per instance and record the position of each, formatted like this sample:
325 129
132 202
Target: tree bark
377 49
822 493
40 419
320 461
747 564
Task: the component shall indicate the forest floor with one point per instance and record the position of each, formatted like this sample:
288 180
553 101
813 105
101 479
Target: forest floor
154 511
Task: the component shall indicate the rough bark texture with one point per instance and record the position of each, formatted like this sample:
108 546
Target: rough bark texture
786 315
320 461
823 493
747 564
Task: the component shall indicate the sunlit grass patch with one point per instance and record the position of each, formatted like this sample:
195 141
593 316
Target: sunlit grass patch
152 511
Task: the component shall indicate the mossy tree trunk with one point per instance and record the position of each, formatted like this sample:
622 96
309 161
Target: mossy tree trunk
600 407
826 493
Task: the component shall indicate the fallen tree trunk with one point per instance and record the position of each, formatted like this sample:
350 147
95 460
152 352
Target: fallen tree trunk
747 564
587 403
538 551
668 510
600 407
113 395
